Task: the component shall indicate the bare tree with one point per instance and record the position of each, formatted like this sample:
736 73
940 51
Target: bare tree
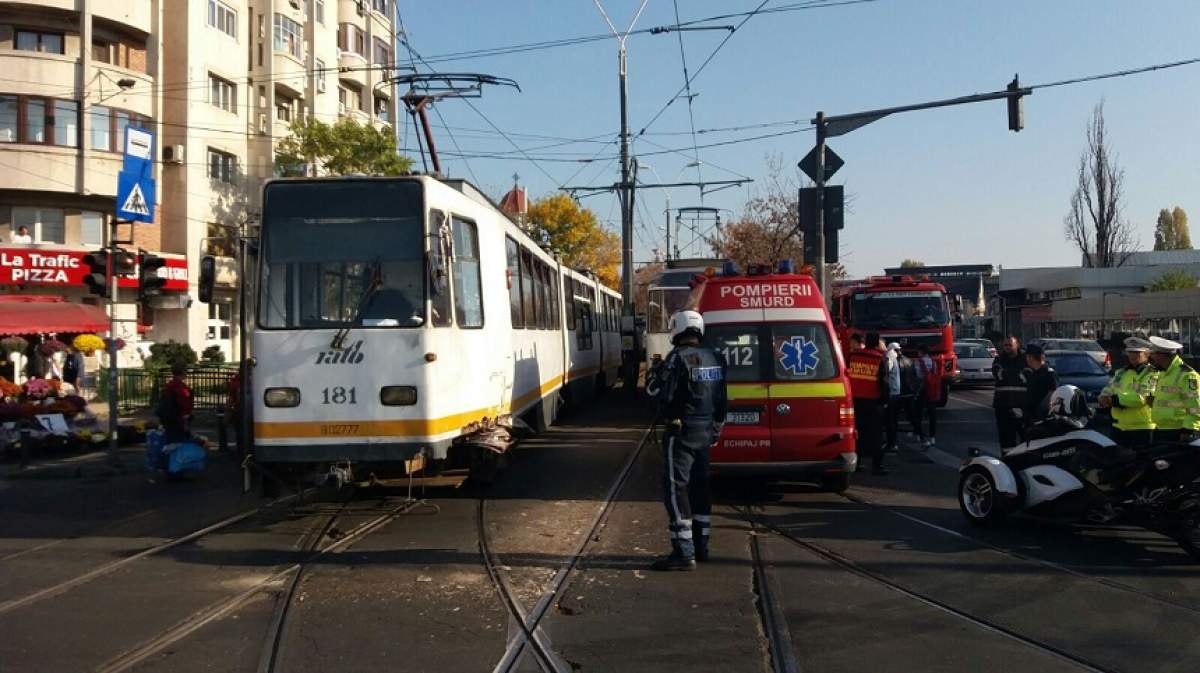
1095 223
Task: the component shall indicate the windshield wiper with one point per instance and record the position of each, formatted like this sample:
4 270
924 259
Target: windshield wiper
339 338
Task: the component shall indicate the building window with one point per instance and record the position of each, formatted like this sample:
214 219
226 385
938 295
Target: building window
46 43
221 165
351 38
381 108
283 108
383 53
319 76
8 119
102 51
222 17
348 99
47 225
222 93
360 43
288 36
468 283
380 6
320 7
91 228
108 126
41 121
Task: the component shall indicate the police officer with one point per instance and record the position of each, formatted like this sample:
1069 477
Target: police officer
1175 408
1008 397
1128 395
691 403
869 388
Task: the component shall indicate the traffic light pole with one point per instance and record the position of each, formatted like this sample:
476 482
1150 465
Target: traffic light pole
113 459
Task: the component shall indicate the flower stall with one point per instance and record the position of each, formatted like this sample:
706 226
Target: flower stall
46 413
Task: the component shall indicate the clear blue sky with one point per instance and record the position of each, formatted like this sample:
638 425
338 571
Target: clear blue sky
944 186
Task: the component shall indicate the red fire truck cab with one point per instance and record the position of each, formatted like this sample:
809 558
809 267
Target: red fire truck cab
909 310
790 416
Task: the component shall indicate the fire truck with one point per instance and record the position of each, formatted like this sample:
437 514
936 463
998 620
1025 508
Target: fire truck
790 411
909 310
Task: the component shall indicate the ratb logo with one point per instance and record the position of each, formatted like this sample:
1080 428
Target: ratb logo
350 356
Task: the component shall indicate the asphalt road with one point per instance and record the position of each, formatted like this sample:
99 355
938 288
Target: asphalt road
886 578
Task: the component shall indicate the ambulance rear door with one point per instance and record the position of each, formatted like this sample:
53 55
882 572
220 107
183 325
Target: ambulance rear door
747 434
807 393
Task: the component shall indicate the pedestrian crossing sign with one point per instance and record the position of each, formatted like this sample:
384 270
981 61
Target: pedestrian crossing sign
135 197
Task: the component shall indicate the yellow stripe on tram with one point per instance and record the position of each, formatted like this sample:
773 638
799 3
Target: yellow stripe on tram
774 391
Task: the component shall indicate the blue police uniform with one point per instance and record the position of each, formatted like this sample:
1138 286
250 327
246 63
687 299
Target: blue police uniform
691 402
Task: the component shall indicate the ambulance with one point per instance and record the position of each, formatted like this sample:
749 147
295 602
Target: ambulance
791 416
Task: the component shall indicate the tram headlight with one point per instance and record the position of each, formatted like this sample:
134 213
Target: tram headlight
282 397
398 396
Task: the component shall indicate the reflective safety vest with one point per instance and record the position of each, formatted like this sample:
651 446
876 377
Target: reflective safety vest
1131 390
1177 398
863 366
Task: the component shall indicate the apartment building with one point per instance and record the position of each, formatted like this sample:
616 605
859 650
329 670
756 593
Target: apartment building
217 80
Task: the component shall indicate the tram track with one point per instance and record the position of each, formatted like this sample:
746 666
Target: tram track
530 633
853 567
774 621
289 577
112 566
1026 558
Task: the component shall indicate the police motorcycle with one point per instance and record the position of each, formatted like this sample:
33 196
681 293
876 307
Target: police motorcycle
1066 471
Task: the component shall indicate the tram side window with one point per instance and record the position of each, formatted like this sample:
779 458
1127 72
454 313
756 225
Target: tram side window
569 288
527 290
592 296
468 284
583 333
543 297
555 304
539 295
440 294
513 254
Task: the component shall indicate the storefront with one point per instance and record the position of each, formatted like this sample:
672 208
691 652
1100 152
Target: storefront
44 296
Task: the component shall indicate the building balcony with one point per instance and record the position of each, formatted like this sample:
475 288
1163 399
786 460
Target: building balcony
47 168
356 68
38 74
133 14
289 74
349 12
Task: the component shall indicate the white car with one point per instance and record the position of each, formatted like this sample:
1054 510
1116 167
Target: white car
986 343
974 363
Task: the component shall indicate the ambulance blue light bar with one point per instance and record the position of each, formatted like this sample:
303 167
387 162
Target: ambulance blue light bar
729 268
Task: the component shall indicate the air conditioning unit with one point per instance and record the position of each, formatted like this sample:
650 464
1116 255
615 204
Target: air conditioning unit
174 154
262 123
341 108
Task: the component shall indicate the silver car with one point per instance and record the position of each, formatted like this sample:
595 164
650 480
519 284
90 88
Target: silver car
974 364
1089 346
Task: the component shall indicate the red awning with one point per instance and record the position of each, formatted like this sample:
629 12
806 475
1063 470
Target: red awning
33 314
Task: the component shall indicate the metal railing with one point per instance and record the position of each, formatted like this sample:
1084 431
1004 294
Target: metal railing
139 388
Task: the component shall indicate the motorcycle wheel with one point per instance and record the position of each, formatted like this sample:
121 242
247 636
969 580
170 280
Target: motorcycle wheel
1189 538
981 503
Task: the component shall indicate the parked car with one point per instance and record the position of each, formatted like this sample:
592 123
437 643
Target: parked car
1089 346
974 364
1080 370
986 343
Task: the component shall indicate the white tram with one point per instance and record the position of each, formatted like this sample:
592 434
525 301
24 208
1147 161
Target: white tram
397 318
668 293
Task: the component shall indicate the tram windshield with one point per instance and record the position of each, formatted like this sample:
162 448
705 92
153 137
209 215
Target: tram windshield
664 302
323 242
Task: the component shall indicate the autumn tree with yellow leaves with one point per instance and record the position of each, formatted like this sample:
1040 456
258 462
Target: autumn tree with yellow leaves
575 235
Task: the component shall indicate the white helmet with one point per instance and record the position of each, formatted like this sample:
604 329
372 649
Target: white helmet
1069 402
683 321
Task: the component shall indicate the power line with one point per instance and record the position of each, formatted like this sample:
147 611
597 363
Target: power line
1119 73
703 65
687 83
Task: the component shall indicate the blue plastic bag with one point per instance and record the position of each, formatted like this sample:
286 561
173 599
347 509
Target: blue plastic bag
155 458
186 458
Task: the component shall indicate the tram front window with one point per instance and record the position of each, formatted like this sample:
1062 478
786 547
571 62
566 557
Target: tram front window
663 304
323 242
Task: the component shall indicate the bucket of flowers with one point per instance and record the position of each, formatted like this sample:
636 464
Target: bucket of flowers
88 343
51 346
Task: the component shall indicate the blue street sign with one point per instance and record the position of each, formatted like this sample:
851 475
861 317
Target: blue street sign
139 152
135 183
135 197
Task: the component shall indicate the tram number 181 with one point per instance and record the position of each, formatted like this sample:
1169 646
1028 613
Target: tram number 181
338 395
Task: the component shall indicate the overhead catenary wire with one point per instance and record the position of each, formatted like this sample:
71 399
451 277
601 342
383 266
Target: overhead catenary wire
687 83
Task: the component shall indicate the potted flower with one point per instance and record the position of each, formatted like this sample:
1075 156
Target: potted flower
51 346
9 391
88 343
13 344
38 390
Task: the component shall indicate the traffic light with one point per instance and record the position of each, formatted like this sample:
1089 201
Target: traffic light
208 278
1016 106
124 262
97 278
150 283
